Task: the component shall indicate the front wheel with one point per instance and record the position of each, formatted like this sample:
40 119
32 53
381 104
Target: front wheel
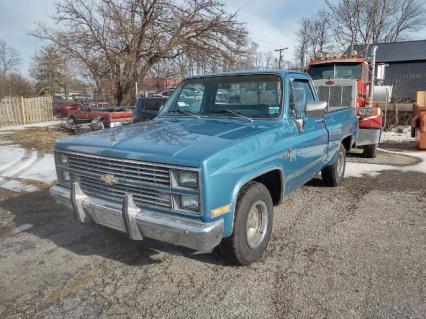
333 175
252 226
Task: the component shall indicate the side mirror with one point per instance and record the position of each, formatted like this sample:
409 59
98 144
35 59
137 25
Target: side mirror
316 109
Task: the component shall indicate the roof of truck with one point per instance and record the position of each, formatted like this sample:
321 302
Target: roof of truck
279 72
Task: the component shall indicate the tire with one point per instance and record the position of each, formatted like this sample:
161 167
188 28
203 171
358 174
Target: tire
252 226
74 120
370 151
333 175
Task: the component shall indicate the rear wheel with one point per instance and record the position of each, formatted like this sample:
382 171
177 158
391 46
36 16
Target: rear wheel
333 175
252 226
74 120
370 151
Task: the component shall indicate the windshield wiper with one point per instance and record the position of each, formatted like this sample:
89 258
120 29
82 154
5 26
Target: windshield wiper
239 115
185 112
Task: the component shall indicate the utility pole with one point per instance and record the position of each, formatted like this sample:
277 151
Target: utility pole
280 58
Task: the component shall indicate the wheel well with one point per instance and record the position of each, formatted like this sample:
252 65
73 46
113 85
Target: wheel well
273 181
347 143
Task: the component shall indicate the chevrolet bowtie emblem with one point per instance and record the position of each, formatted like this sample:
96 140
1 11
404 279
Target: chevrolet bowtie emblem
109 179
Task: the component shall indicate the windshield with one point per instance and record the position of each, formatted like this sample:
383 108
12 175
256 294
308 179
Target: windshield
252 96
336 71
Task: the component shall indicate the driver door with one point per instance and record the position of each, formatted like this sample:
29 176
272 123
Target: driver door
309 151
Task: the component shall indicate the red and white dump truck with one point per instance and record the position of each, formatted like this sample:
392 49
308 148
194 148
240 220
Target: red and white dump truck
350 80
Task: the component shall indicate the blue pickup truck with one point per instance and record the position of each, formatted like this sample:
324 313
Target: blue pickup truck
208 170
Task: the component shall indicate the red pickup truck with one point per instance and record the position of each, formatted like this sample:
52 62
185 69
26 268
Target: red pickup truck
111 116
62 108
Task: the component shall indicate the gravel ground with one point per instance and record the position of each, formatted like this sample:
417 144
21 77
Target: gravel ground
355 251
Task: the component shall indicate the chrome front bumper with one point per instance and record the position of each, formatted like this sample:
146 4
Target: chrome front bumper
138 223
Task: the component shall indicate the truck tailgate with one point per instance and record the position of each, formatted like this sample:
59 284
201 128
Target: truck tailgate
121 115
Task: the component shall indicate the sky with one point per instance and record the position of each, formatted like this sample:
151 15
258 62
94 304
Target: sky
17 19
272 24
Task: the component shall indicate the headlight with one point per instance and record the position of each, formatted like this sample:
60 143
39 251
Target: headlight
186 179
189 202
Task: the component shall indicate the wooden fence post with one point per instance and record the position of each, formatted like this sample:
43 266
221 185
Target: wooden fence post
21 104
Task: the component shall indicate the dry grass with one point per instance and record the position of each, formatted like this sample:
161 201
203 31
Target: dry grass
40 138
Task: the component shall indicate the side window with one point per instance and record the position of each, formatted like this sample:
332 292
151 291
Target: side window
84 107
153 105
300 94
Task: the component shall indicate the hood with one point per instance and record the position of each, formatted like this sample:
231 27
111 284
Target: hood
175 141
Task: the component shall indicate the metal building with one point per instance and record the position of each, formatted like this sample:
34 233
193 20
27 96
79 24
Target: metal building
406 66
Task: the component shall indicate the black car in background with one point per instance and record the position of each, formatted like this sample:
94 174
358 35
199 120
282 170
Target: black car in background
147 108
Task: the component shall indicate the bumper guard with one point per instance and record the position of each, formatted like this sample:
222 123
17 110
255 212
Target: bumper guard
137 222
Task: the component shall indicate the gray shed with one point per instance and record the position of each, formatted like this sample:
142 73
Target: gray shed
406 70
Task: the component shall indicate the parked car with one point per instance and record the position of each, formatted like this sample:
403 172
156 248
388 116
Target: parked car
165 93
204 174
147 108
111 115
63 108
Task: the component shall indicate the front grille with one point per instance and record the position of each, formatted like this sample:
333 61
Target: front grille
336 95
148 183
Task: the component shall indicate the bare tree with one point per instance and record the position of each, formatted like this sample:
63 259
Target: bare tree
9 58
303 40
14 84
121 40
319 35
314 36
372 21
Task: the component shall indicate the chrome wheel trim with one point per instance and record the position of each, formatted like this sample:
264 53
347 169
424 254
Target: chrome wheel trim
257 224
340 164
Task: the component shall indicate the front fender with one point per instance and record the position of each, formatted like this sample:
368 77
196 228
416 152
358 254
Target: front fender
239 185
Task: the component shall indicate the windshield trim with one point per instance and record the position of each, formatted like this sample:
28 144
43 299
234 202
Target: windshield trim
176 93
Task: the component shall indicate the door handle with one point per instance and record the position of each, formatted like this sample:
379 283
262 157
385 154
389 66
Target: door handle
320 121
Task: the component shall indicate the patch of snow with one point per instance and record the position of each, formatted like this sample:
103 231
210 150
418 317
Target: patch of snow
16 162
10 155
17 186
23 127
21 165
22 228
393 136
43 170
366 169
